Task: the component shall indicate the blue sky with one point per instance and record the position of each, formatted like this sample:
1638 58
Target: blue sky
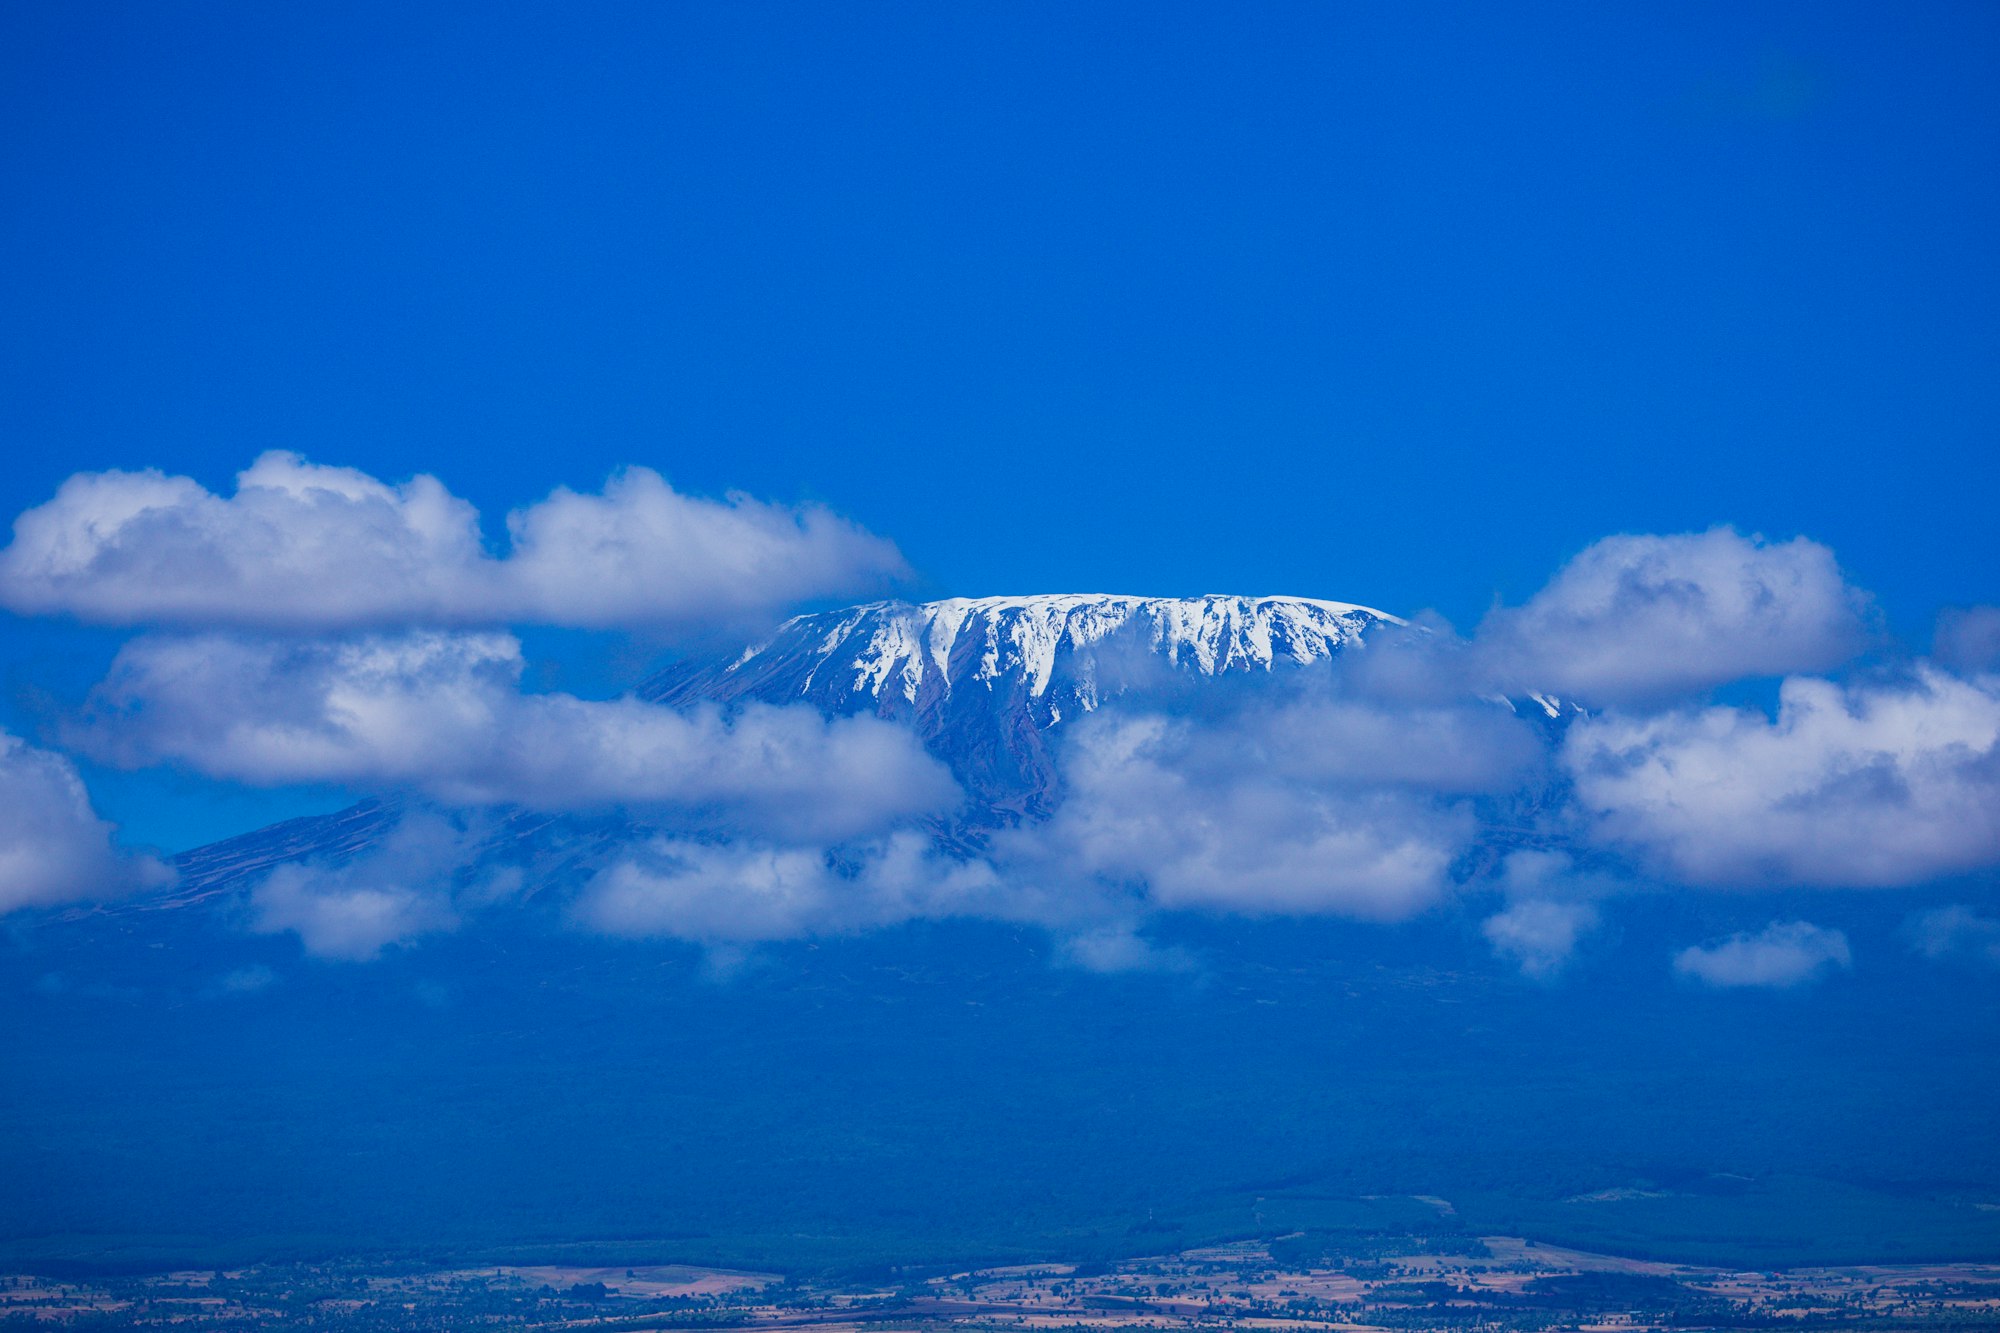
1401 304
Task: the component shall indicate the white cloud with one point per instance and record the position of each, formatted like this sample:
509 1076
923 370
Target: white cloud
1955 932
1186 816
746 892
1784 953
1539 935
395 893
1119 947
1649 617
1152 820
1355 800
1869 785
335 919
642 553
441 713
1261 812
53 847
306 546
1540 928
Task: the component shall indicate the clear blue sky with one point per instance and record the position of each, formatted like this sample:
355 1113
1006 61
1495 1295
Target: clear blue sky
1395 303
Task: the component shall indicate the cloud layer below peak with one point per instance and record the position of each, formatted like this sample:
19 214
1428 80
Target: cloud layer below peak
320 626
442 713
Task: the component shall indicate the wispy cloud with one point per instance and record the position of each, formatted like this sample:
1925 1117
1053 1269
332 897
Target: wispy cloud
1957 931
1538 935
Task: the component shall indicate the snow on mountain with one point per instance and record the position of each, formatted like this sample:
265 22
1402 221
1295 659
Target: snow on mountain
1047 646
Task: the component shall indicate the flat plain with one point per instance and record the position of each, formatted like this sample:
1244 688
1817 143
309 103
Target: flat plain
1380 1283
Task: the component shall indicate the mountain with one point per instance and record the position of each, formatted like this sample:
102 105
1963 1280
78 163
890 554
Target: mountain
985 682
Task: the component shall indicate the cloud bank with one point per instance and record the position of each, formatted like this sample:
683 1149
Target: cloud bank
1158 814
331 628
307 547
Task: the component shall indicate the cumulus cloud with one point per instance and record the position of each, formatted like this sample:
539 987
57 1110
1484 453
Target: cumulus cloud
737 893
1784 953
53 847
1874 784
1289 805
1188 816
300 545
1636 618
442 713
1955 932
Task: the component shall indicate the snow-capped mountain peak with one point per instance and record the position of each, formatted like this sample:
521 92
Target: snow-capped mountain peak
985 679
915 650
